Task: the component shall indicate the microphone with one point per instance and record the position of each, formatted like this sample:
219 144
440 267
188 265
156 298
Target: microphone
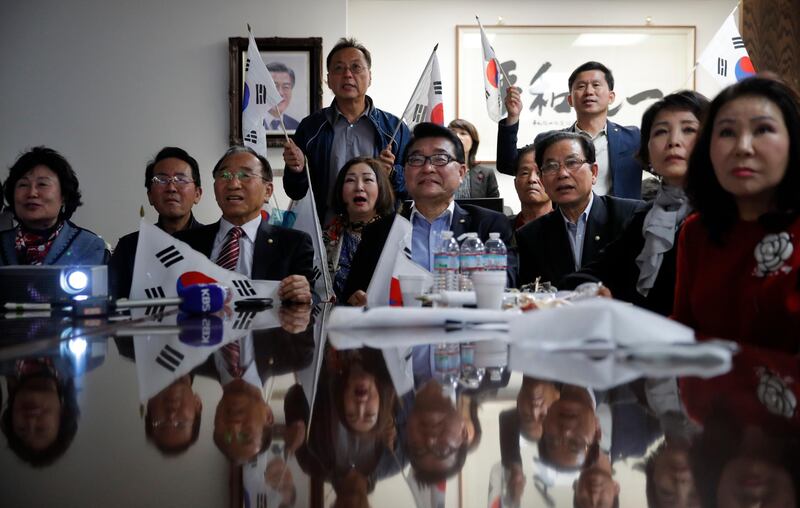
200 330
189 279
196 299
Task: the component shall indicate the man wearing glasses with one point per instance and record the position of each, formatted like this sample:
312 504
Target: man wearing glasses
172 180
242 184
569 238
350 127
434 168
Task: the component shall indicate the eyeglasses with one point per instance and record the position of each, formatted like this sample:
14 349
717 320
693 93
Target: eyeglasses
355 68
572 165
178 180
241 175
437 159
175 424
240 437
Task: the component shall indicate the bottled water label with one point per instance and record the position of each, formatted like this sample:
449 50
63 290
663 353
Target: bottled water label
471 262
445 262
496 262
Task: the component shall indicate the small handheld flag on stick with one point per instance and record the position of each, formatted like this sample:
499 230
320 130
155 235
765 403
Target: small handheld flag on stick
491 78
259 97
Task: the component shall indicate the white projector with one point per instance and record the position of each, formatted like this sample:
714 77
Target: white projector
52 284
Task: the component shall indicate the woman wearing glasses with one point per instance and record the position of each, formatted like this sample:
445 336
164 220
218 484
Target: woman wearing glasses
42 190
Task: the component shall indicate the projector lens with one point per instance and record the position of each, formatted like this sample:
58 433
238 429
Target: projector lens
76 280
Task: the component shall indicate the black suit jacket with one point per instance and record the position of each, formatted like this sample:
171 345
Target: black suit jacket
616 267
465 219
544 246
120 267
278 252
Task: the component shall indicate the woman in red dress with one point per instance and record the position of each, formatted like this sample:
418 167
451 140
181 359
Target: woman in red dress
739 255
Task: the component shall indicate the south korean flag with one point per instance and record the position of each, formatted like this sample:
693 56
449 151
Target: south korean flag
161 260
171 348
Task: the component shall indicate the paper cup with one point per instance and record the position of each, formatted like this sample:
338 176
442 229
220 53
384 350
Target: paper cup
489 287
412 286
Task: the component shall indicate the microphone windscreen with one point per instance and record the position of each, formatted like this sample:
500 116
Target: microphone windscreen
190 279
200 330
202 298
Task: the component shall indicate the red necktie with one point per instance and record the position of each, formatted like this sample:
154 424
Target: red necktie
231 354
229 255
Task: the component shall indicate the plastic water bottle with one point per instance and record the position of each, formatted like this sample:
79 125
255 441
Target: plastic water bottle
496 253
446 363
471 376
445 264
471 259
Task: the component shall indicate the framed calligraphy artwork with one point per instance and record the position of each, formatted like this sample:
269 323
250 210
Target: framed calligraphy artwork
647 63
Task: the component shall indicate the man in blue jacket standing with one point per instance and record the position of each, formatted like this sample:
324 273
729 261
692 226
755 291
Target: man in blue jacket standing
591 91
350 127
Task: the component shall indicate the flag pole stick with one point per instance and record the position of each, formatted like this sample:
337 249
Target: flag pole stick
402 119
496 61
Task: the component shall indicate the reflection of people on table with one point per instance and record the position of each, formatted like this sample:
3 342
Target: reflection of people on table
438 435
571 430
41 416
284 79
42 190
738 464
172 421
278 477
595 487
352 428
243 420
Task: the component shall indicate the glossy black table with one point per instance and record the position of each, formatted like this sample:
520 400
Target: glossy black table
128 413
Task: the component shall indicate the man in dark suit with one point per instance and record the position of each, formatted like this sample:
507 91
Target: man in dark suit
242 184
172 180
566 239
591 91
434 168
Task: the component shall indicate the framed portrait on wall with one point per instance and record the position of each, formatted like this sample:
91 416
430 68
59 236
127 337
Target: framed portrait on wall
647 62
296 67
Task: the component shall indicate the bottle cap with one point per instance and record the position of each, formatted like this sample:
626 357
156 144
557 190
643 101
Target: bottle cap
494 236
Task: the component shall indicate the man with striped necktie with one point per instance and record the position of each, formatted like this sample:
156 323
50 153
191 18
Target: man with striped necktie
241 240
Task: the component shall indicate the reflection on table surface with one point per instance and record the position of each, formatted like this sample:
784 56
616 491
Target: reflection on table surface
272 408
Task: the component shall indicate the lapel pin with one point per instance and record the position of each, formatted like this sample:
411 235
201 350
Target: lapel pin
269 240
597 238
461 221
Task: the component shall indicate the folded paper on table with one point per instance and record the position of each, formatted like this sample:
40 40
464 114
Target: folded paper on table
406 317
601 322
623 365
380 338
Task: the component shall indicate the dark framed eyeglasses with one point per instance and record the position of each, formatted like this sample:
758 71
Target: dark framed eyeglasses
437 159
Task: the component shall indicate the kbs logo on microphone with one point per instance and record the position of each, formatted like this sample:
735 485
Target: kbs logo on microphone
205 299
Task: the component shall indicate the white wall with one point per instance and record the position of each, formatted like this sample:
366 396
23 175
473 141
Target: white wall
108 83
401 34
